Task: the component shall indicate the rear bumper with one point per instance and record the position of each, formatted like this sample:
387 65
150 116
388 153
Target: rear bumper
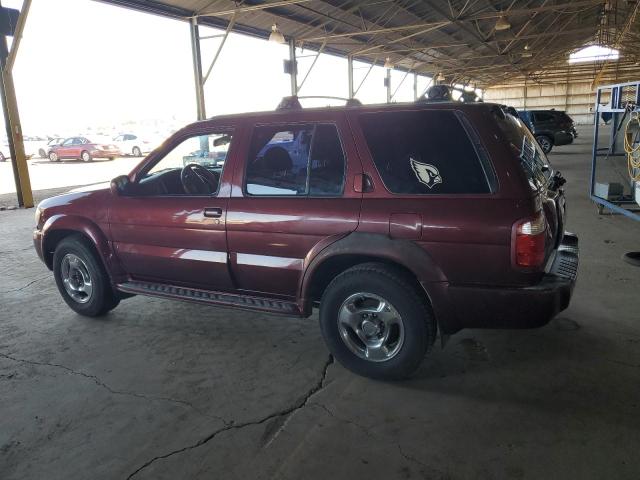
99 153
526 307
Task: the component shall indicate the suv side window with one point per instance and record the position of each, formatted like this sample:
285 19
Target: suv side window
423 152
299 160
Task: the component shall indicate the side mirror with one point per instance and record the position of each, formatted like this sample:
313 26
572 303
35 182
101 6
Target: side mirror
119 184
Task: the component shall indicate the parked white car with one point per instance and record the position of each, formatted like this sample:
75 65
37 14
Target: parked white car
44 150
130 144
4 151
34 145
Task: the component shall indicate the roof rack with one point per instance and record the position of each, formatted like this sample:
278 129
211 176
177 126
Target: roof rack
293 102
444 93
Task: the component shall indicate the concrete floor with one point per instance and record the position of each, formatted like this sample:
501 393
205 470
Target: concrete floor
159 389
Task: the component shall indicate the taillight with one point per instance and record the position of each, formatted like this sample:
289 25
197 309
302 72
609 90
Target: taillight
530 235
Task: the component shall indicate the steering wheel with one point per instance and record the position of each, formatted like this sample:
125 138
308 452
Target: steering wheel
198 180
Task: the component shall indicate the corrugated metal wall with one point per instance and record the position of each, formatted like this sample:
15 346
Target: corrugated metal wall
576 98
568 90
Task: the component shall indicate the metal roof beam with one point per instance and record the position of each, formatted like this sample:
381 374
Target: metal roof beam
251 8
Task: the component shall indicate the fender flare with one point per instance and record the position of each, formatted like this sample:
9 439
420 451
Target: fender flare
84 226
403 252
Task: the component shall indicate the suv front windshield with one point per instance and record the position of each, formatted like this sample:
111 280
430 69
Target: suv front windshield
535 163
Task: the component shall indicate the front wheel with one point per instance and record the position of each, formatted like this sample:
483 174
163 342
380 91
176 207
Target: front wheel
376 322
53 157
545 143
81 278
42 153
136 152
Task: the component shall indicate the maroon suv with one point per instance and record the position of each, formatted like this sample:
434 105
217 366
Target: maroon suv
396 221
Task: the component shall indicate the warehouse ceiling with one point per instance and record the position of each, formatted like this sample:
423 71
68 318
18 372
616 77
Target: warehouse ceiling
481 41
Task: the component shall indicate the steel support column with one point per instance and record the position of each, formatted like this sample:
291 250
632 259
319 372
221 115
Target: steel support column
294 67
415 87
388 85
350 76
11 115
197 68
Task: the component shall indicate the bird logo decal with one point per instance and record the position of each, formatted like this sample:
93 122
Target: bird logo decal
426 173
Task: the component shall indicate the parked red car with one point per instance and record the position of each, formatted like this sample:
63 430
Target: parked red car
396 221
81 148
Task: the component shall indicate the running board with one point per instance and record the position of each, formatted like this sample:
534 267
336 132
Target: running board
210 298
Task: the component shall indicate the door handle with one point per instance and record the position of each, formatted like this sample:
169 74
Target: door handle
213 212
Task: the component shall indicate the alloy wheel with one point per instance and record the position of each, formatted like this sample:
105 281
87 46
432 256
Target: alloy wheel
370 327
76 278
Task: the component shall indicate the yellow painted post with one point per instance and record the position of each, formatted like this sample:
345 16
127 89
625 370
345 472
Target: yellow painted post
19 158
11 115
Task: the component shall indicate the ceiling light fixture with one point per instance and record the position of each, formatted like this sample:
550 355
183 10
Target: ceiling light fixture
276 35
388 63
502 24
440 77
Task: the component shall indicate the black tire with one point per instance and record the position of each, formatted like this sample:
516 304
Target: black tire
545 142
102 298
53 157
42 153
394 286
86 156
136 152
2 157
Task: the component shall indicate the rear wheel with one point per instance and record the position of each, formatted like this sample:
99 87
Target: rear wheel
81 278
42 153
53 157
85 156
545 143
136 152
376 322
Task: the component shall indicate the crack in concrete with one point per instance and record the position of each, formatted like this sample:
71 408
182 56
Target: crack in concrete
366 430
27 285
410 458
370 434
287 412
620 362
101 384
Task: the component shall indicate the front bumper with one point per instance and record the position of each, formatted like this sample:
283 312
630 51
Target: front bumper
562 138
37 243
525 307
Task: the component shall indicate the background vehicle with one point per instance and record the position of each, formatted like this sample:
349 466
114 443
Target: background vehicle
44 150
82 148
549 127
396 221
130 144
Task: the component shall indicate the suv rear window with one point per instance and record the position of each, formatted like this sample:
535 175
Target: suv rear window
532 159
423 152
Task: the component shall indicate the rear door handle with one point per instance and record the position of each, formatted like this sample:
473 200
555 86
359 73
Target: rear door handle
213 212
